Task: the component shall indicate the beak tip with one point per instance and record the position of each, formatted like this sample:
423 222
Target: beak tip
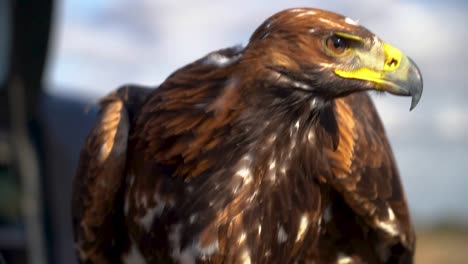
415 100
416 89
413 104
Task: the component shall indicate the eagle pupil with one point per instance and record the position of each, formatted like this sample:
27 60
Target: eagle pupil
338 43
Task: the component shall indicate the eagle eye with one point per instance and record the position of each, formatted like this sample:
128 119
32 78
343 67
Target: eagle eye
336 44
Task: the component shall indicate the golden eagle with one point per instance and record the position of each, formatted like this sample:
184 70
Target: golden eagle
268 153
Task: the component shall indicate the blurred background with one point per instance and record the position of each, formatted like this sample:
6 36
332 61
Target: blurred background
58 57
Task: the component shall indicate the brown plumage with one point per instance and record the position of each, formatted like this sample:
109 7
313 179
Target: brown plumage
262 154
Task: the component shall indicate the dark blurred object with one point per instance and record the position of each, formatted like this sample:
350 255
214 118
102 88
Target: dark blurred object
40 137
9 204
2 260
24 36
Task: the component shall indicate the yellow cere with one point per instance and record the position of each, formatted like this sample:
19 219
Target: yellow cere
392 57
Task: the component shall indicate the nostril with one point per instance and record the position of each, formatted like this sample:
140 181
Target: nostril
393 62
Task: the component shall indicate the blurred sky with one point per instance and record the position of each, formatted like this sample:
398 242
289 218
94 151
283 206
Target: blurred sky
101 44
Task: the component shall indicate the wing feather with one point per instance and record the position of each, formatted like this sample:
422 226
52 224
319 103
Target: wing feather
370 182
97 188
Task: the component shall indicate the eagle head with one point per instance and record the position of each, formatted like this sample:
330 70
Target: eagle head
329 55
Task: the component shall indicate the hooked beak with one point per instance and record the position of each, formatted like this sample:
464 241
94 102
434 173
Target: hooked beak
399 74
405 81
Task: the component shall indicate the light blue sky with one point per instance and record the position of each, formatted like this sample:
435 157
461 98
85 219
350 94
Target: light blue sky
101 44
